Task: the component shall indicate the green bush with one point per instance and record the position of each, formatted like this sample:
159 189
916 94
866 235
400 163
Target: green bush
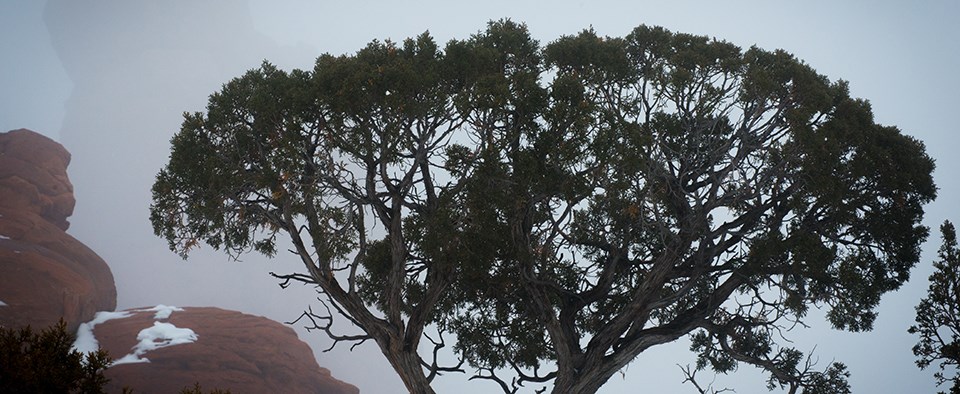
44 362
196 389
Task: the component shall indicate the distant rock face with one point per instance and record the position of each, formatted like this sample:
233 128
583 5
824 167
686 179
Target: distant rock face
45 274
33 176
217 348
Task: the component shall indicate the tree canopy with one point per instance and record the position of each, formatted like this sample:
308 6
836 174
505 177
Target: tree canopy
559 208
938 315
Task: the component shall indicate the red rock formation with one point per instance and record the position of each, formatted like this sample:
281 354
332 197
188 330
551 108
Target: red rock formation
33 176
45 274
232 350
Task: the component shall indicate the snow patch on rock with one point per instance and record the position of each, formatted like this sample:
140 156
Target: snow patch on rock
161 335
163 311
151 338
86 342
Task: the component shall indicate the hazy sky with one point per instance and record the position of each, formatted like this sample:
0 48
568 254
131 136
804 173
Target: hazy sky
109 80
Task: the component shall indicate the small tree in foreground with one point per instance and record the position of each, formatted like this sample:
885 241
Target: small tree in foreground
560 208
938 315
44 362
197 389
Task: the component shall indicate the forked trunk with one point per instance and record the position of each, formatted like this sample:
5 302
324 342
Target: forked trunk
588 383
408 367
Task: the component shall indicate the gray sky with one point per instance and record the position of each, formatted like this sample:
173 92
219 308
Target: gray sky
109 80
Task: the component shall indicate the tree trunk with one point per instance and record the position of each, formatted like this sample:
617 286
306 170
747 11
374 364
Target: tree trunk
582 384
406 362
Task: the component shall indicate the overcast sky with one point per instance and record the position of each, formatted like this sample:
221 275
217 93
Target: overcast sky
110 79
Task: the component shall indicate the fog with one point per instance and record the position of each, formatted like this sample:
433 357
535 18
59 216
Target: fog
110 80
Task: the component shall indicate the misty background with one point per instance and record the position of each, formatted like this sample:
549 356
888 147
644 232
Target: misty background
110 80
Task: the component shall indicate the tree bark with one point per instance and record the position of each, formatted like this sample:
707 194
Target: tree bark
406 362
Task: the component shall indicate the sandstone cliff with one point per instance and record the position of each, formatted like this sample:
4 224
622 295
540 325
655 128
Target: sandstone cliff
164 349
46 274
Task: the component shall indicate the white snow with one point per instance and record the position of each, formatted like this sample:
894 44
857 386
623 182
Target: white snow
86 342
131 358
159 336
163 311
4 236
3 303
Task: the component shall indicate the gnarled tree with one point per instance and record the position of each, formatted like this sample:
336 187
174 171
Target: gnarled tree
560 208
